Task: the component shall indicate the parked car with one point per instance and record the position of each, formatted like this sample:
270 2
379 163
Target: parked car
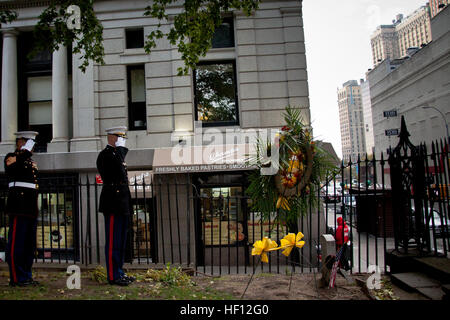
331 194
439 229
349 200
332 198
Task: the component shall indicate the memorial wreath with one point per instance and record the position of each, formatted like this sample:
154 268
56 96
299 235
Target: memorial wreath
302 164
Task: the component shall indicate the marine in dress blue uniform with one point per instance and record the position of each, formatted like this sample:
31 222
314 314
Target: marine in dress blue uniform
115 203
22 208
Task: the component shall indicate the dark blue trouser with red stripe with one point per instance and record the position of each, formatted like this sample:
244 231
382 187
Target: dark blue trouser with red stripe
21 247
116 226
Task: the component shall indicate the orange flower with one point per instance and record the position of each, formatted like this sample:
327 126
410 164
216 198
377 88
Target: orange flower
289 181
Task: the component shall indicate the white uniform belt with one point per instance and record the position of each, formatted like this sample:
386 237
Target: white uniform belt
23 185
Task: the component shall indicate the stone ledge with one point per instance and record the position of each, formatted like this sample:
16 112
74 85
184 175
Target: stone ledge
86 161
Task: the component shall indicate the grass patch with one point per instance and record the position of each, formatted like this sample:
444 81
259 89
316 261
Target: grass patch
99 275
171 276
166 284
385 292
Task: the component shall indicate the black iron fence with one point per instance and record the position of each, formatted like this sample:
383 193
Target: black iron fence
213 228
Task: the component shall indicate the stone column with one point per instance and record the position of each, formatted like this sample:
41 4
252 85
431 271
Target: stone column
9 91
60 102
85 129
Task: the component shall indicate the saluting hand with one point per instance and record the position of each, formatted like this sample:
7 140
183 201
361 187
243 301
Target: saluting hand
29 145
120 142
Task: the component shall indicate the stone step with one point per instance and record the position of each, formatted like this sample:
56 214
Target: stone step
446 289
437 267
433 293
416 281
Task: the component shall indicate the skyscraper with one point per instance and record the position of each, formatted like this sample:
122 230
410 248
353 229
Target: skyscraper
351 120
414 31
367 112
384 42
436 6
392 41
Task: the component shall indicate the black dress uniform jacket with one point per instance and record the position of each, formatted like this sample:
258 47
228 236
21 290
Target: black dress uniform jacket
21 201
115 197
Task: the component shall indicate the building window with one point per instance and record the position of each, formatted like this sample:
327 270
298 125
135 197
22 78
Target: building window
35 90
137 114
224 34
216 93
40 108
134 38
221 206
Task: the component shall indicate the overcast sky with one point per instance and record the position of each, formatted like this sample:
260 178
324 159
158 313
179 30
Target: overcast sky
337 37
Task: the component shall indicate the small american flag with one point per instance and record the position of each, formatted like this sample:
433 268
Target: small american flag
335 267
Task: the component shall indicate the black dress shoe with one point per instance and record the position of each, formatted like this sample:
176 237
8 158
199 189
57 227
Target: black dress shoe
129 278
29 282
120 282
26 283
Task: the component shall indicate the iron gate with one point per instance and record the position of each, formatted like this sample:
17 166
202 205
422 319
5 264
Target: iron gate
398 203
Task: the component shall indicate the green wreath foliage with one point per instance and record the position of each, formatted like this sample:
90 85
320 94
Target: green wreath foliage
298 175
190 30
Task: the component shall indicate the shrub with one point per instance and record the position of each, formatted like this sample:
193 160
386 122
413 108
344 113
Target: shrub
171 276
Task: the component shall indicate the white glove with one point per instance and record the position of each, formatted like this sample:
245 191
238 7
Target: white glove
29 145
120 142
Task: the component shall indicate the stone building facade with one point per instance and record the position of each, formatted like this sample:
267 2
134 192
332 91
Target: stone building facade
393 41
406 86
260 59
367 111
436 6
414 31
384 43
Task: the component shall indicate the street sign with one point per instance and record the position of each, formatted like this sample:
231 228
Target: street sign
392 132
390 114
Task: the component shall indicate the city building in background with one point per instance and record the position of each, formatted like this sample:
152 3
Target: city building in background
393 41
414 31
416 87
436 6
384 41
351 120
367 112
329 149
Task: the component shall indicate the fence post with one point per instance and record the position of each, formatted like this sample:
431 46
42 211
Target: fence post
88 222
